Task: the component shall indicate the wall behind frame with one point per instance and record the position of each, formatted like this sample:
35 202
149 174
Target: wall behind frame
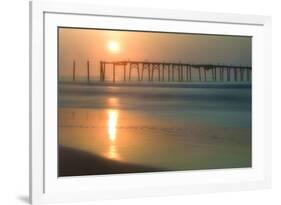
14 91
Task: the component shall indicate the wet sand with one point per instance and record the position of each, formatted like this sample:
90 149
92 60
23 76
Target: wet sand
73 162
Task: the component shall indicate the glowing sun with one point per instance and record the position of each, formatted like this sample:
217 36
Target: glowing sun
113 46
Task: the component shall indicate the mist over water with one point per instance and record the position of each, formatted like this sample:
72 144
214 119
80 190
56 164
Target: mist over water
229 107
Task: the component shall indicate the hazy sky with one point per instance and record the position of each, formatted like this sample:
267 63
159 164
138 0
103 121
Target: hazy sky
90 44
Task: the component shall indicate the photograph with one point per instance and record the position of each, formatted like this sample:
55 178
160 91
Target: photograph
133 101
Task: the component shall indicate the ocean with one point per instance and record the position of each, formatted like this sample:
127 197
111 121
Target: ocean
178 127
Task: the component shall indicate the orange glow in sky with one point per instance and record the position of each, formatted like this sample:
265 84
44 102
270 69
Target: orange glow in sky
81 45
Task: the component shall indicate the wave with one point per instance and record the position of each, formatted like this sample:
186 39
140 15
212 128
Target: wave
198 94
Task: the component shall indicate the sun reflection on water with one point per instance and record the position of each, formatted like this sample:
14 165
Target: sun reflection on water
112 123
112 133
113 102
112 152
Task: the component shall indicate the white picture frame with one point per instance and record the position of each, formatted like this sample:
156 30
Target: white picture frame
46 187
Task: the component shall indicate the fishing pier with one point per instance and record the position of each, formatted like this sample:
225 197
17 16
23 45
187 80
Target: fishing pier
168 72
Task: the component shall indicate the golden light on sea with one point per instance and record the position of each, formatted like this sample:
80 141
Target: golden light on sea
112 133
113 102
112 152
112 124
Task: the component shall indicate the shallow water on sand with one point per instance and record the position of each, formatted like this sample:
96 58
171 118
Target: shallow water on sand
169 128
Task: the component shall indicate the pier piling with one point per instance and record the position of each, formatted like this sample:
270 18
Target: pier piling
73 71
167 72
88 71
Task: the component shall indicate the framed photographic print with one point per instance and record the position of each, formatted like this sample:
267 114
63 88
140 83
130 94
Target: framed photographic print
129 102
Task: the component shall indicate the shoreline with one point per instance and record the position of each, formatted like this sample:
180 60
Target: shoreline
73 162
195 84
